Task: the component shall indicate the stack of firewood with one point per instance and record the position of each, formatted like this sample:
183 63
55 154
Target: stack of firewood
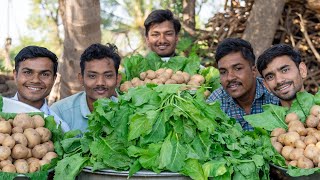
299 27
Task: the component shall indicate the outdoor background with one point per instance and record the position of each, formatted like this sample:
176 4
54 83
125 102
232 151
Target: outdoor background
68 27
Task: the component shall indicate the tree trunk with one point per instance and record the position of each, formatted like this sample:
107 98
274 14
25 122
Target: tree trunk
263 23
7 61
81 20
189 22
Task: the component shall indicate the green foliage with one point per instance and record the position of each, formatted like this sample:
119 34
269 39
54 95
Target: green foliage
273 117
43 23
3 68
66 170
162 128
136 64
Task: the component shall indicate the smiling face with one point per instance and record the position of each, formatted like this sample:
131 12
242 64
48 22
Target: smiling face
237 76
34 80
99 79
162 39
284 79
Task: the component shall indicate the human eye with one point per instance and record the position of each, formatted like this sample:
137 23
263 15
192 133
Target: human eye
154 34
238 68
91 76
109 75
27 72
169 33
285 69
222 72
269 77
45 74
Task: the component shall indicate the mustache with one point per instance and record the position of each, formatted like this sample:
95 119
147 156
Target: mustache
163 43
233 83
279 85
101 88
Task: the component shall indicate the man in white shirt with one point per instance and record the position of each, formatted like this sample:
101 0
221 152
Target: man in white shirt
34 74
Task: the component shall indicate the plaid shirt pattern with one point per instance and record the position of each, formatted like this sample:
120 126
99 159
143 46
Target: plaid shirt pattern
230 106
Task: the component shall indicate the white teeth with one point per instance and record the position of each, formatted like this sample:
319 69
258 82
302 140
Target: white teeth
162 47
33 88
233 86
284 87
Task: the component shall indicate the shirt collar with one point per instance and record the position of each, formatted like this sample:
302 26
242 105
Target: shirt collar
260 89
44 108
84 108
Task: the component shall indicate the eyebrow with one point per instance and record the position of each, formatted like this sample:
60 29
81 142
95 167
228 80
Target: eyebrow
284 66
162 31
233 65
46 70
278 69
95 72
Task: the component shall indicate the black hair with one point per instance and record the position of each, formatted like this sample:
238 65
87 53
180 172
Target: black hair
30 52
99 51
159 16
275 51
233 45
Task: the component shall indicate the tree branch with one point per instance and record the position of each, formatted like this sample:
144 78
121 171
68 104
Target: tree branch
306 36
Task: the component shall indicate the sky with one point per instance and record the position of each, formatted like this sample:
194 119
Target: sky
18 11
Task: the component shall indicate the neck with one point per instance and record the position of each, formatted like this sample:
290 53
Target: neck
36 104
288 103
246 104
90 104
246 100
285 103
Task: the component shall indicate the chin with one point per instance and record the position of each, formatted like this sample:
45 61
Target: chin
165 55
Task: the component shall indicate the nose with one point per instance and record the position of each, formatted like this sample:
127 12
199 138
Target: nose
279 79
162 38
230 76
101 80
35 78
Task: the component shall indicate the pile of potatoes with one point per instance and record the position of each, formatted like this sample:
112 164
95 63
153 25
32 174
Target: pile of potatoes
164 76
300 145
25 144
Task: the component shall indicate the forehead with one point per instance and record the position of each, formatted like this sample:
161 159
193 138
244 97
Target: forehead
232 59
39 64
162 27
279 62
100 65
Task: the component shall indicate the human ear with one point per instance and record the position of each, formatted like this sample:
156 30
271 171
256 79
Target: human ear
303 70
80 78
119 78
255 71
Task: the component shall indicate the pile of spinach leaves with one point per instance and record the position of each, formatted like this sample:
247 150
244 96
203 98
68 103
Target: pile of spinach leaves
161 128
137 63
273 117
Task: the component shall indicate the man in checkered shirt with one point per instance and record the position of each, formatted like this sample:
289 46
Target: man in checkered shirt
242 92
